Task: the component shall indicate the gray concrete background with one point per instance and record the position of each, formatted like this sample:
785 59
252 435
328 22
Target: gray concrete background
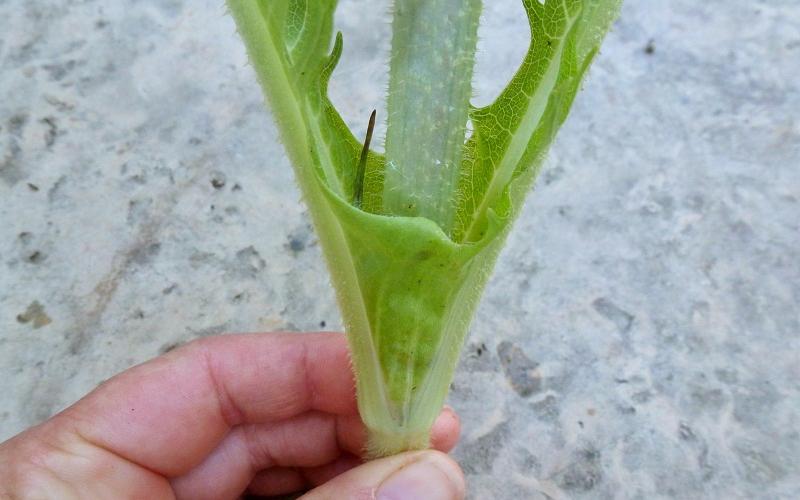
639 338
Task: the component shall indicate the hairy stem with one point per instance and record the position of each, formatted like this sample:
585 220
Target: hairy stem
433 54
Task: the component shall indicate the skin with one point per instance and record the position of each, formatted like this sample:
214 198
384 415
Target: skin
266 414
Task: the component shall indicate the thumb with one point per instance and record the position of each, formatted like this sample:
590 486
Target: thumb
420 475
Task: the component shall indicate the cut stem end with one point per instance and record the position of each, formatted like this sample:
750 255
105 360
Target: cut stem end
384 444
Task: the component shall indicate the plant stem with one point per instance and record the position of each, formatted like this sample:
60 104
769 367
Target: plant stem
433 54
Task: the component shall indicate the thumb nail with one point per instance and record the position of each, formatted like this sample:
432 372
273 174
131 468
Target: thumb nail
433 477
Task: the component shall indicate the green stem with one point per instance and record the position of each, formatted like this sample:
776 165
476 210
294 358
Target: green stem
433 54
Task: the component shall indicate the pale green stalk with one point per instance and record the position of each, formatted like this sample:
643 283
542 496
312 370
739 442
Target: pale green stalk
430 76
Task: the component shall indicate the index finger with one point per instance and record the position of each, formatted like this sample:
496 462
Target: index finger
169 413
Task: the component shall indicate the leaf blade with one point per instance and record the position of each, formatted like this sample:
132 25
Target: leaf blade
564 37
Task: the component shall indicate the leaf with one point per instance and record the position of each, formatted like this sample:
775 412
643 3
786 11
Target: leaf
288 42
511 136
407 287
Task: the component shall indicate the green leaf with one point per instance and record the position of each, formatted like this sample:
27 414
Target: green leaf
512 135
289 44
408 286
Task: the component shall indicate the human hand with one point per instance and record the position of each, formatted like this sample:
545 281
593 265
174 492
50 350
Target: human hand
265 414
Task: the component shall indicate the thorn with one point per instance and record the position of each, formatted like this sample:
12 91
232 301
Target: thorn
358 188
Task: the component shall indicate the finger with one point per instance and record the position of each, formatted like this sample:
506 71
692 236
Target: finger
168 414
277 481
282 480
311 440
446 430
308 440
427 474
324 473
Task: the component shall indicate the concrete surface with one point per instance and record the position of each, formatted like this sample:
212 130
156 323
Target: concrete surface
638 340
